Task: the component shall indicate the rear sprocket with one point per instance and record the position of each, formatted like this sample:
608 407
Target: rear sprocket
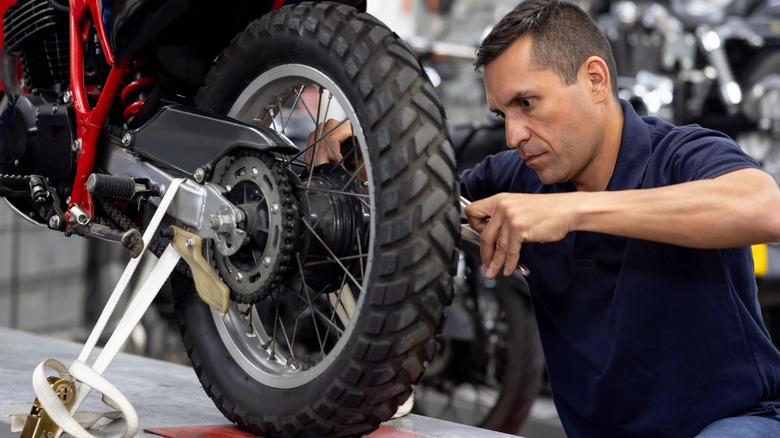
260 188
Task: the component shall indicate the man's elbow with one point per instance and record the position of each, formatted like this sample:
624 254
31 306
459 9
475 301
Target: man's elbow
769 213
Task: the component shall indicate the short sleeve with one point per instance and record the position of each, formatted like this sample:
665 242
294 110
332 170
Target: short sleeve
692 153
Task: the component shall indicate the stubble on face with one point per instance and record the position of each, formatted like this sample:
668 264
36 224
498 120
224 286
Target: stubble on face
554 134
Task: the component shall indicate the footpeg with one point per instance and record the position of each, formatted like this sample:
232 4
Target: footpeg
120 187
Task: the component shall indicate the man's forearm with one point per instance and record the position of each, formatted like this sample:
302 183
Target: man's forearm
736 209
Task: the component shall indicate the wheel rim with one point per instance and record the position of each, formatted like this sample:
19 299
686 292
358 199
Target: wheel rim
294 334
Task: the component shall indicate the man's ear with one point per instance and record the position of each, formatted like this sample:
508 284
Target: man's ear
598 77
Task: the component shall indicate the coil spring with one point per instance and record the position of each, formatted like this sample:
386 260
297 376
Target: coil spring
134 94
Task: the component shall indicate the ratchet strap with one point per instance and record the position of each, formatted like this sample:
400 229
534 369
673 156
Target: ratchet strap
57 397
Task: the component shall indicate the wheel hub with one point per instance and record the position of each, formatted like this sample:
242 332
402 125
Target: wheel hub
337 226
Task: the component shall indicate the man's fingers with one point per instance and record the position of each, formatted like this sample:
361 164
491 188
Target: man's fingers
510 244
324 143
492 252
486 245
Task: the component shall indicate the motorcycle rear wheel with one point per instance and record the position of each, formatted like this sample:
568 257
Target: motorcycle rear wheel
326 338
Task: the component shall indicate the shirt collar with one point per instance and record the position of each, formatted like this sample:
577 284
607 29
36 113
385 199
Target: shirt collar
634 154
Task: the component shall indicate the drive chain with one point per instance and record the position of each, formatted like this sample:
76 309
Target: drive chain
157 245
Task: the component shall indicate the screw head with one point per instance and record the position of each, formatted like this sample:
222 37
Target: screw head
55 222
127 139
199 175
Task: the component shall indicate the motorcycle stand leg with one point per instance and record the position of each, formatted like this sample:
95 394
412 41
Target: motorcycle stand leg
54 409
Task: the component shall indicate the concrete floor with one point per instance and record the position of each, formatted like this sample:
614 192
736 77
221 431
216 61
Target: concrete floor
164 394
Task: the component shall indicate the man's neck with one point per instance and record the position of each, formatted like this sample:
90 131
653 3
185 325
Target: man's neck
596 177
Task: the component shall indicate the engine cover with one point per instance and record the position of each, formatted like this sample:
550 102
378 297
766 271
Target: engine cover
35 138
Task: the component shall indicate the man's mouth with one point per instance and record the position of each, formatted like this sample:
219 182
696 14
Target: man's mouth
531 158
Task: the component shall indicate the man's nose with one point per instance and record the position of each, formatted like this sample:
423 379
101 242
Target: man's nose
517 132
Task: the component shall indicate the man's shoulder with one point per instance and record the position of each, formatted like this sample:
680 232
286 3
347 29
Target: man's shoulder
664 133
498 172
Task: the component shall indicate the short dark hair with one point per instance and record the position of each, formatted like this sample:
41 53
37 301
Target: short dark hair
563 35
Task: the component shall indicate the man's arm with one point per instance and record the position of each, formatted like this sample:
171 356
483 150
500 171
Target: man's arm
736 209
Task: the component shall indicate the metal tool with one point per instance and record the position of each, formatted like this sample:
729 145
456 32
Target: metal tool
470 235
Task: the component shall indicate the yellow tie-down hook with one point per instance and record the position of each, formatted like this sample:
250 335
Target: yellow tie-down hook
39 424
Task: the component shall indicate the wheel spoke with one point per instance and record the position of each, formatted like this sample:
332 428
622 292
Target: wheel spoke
330 251
301 320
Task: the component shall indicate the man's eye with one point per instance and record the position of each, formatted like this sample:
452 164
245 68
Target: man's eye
525 103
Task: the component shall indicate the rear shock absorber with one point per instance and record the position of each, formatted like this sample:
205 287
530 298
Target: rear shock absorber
137 91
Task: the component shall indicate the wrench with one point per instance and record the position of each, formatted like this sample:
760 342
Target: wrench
470 235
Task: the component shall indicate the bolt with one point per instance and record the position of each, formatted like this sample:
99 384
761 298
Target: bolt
190 243
127 139
267 261
239 277
67 97
76 145
274 208
200 175
214 223
54 222
228 188
54 109
221 223
255 172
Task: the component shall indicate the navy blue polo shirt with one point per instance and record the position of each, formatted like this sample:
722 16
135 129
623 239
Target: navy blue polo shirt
643 338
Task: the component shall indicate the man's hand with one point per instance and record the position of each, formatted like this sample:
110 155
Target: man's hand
507 220
324 144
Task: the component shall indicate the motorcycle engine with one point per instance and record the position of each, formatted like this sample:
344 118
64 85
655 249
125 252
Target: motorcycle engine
35 131
35 138
37 34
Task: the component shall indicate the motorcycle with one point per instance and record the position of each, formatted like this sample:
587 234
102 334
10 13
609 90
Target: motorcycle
311 298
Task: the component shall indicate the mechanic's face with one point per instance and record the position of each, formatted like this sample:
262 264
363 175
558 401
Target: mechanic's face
550 124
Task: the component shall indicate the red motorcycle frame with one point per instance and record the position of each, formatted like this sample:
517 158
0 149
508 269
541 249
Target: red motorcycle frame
84 15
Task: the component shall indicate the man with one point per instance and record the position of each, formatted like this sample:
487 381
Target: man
636 233
637 237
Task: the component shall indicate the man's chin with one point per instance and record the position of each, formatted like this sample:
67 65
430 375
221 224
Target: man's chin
547 178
